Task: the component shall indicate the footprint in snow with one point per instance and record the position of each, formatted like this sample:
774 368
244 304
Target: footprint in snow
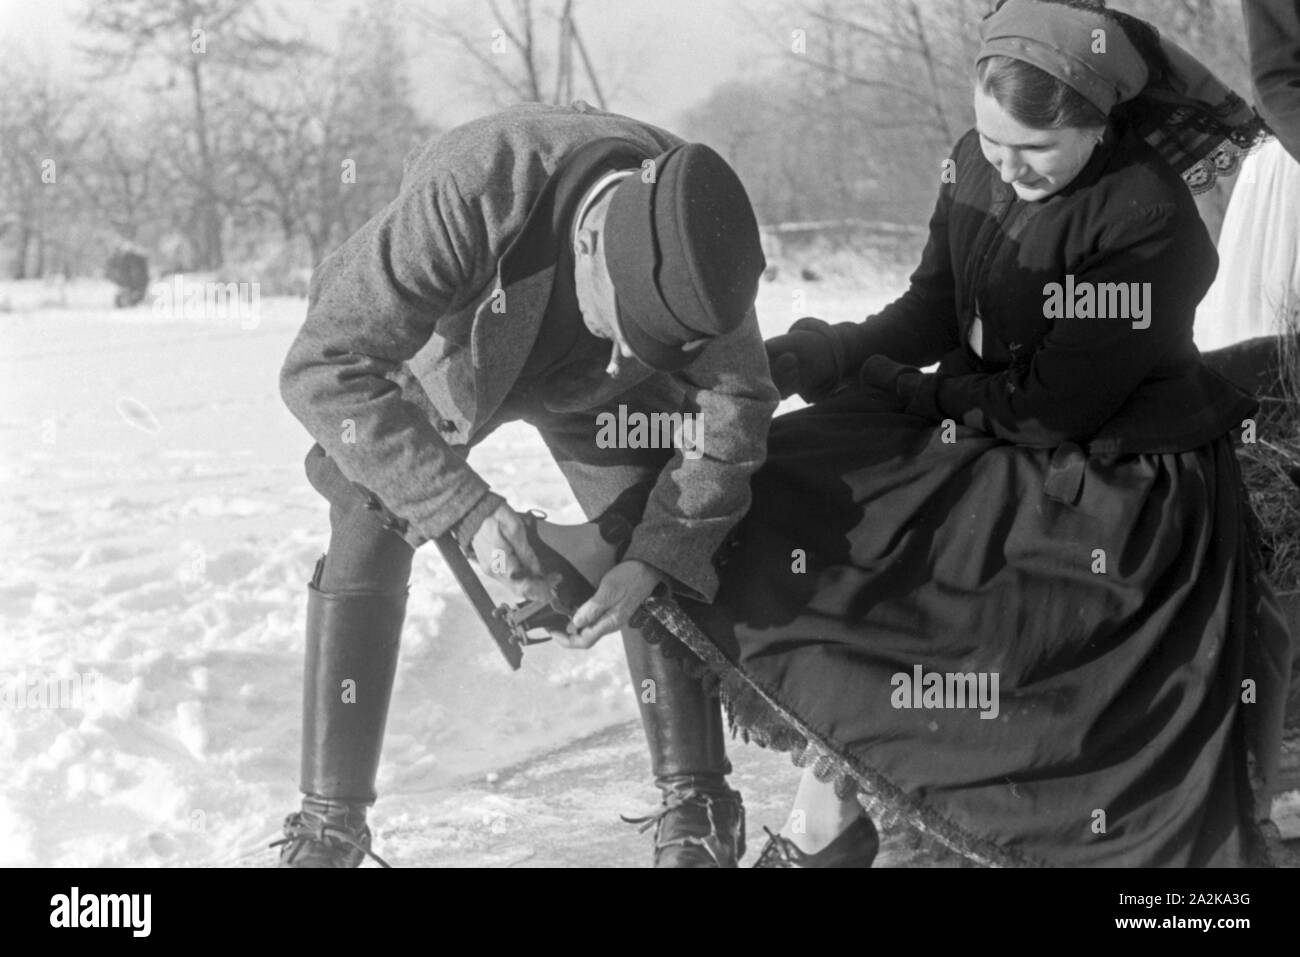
137 414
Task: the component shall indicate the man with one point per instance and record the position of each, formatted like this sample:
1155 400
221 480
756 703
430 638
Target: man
128 269
543 264
1273 36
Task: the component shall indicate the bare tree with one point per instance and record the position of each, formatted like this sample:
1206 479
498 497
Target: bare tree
193 39
42 132
515 55
322 149
873 96
863 103
123 177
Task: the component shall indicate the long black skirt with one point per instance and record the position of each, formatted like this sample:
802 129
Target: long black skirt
1036 656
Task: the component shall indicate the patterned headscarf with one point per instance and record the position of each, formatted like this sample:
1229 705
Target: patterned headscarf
1197 123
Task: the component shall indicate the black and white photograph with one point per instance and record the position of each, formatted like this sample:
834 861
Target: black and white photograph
529 434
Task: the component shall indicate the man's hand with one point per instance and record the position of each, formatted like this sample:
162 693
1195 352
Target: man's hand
621 593
502 551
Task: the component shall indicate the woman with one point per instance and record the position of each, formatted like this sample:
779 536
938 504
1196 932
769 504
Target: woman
1015 601
1257 290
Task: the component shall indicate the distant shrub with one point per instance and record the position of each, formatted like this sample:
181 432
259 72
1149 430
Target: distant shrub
278 273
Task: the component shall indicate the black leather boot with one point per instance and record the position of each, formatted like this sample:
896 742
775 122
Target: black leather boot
701 821
856 846
352 644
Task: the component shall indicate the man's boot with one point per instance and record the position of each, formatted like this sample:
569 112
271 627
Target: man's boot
352 644
701 822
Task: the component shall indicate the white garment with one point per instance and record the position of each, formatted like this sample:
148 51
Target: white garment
1259 254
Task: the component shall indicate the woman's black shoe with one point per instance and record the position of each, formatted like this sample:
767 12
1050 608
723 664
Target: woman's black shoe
855 847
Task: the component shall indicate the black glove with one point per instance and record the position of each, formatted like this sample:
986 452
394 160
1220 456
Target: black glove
902 387
808 360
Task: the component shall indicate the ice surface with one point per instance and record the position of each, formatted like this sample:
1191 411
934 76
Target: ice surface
158 532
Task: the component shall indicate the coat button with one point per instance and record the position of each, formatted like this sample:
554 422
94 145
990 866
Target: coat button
446 425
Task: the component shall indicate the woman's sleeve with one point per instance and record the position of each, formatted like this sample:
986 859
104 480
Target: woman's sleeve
1087 367
1273 38
920 326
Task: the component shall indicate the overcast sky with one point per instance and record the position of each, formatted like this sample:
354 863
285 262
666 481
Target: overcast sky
659 57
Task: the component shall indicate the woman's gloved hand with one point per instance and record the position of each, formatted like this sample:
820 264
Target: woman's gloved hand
882 372
808 360
904 388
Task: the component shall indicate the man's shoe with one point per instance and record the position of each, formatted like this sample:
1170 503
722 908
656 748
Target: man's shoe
701 822
697 827
856 846
326 834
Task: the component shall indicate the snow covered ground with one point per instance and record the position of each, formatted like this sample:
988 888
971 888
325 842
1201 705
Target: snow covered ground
156 535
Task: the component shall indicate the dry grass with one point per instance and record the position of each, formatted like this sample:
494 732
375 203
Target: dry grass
1271 466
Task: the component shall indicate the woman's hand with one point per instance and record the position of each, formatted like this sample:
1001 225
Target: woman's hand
804 360
890 381
622 591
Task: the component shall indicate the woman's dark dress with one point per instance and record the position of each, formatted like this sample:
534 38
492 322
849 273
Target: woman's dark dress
1076 527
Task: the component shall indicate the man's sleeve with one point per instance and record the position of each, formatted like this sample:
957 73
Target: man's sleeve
1273 35
699 499
374 303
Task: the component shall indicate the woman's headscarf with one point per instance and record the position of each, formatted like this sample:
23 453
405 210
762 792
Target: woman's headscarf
1197 123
